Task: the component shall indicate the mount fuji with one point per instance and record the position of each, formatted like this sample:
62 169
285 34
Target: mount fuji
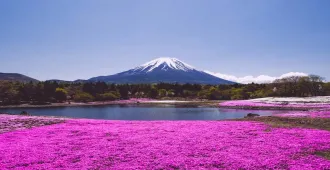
166 70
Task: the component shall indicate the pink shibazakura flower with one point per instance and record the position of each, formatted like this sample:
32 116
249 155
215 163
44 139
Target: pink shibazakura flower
96 144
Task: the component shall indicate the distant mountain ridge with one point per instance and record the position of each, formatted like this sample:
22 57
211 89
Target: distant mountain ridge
167 70
16 77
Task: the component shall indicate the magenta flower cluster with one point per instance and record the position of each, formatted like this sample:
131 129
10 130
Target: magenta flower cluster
97 144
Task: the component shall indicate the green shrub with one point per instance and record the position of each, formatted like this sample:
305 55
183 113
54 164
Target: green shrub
83 97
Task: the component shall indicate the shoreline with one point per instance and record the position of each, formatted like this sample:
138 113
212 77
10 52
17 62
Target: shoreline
214 103
270 108
275 121
280 103
159 103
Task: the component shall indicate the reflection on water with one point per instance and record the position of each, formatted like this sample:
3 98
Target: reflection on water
132 112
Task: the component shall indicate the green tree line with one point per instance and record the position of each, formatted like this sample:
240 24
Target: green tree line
12 93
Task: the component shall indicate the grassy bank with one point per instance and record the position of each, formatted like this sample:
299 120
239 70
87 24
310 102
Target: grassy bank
285 122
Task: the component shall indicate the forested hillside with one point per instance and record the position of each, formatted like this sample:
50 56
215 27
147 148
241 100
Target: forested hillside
13 92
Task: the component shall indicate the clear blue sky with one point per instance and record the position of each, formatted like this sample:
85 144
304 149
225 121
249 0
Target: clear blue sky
71 39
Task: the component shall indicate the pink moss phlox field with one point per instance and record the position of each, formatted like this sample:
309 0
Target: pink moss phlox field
15 122
96 144
248 103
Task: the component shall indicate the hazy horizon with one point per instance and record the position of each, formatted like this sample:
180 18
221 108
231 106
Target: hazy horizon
71 40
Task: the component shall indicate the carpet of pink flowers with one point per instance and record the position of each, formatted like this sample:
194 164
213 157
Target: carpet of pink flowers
98 144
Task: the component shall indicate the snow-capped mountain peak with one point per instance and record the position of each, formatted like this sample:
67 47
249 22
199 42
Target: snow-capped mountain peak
164 69
165 63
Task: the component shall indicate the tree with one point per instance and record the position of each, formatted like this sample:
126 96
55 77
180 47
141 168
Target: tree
100 87
189 93
109 96
162 93
236 94
52 91
315 84
326 87
89 88
171 93
39 96
27 92
60 94
303 88
8 93
203 94
49 90
83 97
213 93
123 90
153 93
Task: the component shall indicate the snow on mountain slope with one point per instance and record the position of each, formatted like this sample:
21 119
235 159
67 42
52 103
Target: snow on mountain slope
165 63
167 70
256 79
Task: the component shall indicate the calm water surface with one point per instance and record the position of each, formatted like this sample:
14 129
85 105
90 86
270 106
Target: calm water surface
117 112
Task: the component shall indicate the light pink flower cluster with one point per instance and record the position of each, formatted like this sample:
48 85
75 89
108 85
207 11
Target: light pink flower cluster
14 122
314 114
95 144
249 103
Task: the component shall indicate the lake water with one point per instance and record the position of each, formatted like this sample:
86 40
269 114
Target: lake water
127 112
